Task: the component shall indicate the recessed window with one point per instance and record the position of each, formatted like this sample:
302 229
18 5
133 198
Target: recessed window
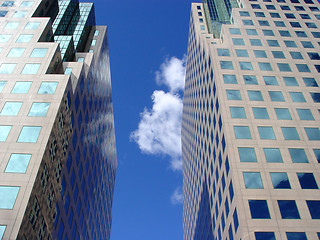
24 38
305 16
4 132
314 209
276 96
233 95
255 6
266 133
68 71
226 65
283 7
273 43
21 87
39 52
223 52
315 96
279 23
11 25
290 81
242 132
317 154
19 14
259 209
16 52
288 209
296 55
280 180
31 68
252 180
259 14
307 181
271 7
247 22
11 109
297 97
290 133
284 67
26 4
264 236
296 236
229 79
284 33
290 44
7 68
314 55
255 42
247 154
3 13
29 134
255 95
47 88
275 15
260 54
237 112
278 54
252 32
246 66
305 114
307 44
260 113
8 196
244 13
250 80
273 155
5 37
242 53
298 155
39 109
270 80
313 134
303 68
32 25
268 33
264 66
311 25
310 82
18 163
238 41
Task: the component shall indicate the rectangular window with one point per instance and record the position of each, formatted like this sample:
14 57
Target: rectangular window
305 114
284 67
270 80
242 53
255 42
255 95
246 66
12 25
290 133
29 134
11 109
242 132
39 52
296 235
278 54
273 155
8 196
233 94
288 209
39 109
273 43
280 180
223 52
290 81
238 112
260 54
297 97
252 180
264 66
247 154
314 209
250 80
307 181
4 132
24 38
7 68
298 155
260 113
32 25
18 163
229 79
16 52
226 65
276 96
31 68
259 209
296 55
266 133
290 44
238 41
313 134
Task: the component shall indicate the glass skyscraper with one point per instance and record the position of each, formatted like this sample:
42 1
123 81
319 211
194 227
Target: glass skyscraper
57 143
251 122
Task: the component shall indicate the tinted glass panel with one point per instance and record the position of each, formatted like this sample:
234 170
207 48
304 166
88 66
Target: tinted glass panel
280 180
314 208
247 154
307 181
298 155
273 155
259 209
252 180
288 209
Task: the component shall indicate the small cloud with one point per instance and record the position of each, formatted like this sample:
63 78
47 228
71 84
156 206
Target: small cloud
177 197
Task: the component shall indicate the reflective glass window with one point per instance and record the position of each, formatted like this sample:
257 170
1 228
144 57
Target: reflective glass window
2 84
315 97
314 56
229 79
242 132
264 236
223 52
255 42
247 154
259 14
246 66
31 68
268 33
32 25
26 4
20 14
263 23
266 133
2 230
317 154
8 195
39 52
259 209
47 88
273 155
252 32
11 25
280 180
270 80
18 163
39 109
264 66
273 43
237 112
290 81
11 109
7 68
29 134
290 44
16 52
296 236
4 132
5 37
260 54
303 68
255 95
307 44
244 13
305 114
284 67
252 180
278 54
226 65
313 134
24 38
247 22
298 155
238 41
279 23
290 133
314 209
284 33
233 95
260 113
276 96
297 97
242 53
296 55
288 209
21 87
307 181
250 80
7 4
310 82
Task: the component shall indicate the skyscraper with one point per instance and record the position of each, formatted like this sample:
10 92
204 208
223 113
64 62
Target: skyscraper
57 143
251 118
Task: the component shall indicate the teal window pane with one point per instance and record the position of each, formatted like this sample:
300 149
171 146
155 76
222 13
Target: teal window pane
246 66
284 67
24 38
39 109
283 113
11 25
242 53
29 134
68 71
260 113
39 52
252 180
47 88
242 132
280 180
265 236
273 155
233 95
255 42
21 87
310 82
238 41
296 236
296 55
19 14
16 52
266 133
2 84
270 80
290 44
250 80
247 154
26 4
80 59
229 79
313 134
298 155
315 96
276 96
278 54
297 97
11 109
290 81
252 32
31 68
290 133
8 196
303 68
305 114
255 95
7 4
2 230
18 163
223 52
264 66
260 53
4 37
32 25
317 154
96 33
7 68
94 41
4 132
273 43
226 65
237 112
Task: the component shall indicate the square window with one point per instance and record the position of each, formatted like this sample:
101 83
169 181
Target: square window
242 53
26 4
296 55
288 209
276 96
250 80
290 133
39 109
314 209
18 163
238 41
233 95
11 25
260 53
264 236
242 132
247 154
290 44
7 68
252 180
255 42
259 209
307 181
305 114
223 52
20 14
284 67
47 88
238 112
226 65
229 79
266 133
8 195
39 52
297 97
298 155
21 87
303 68
270 80
255 95
24 38
313 134
11 109
275 15
273 43
246 66
290 81
252 32
279 24
310 82
32 25
264 66
278 54
280 180
260 113
315 97
273 155
296 236
16 52
29 134
31 68
4 132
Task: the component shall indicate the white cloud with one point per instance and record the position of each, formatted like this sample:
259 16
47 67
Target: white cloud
177 196
159 131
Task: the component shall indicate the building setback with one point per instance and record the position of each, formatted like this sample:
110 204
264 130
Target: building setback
57 143
251 118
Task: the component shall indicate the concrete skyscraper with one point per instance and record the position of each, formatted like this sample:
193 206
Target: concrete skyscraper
57 143
251 118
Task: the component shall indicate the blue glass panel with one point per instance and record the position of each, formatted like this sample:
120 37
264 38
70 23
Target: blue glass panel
313 134
47 88
266 133
247 154
242 132
314 208
290 133
237 112
260 113
283 113
11 109
2 230
273 155
4 132
296 236
39 109
298 155
252 180
21 87
317 154
265 236
280 180
288 209
259 209
307 181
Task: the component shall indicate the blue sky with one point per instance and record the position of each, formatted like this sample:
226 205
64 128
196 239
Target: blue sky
147 42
